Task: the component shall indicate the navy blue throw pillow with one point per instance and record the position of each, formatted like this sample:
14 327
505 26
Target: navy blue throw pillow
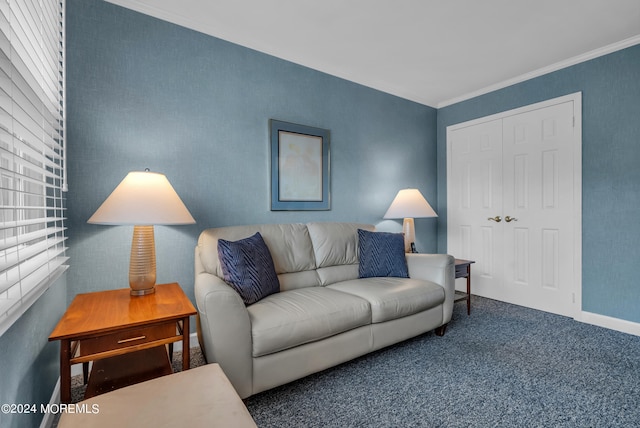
381 254
248 267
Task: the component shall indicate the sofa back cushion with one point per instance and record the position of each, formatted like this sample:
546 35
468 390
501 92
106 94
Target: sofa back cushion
289 244
304 255
335 246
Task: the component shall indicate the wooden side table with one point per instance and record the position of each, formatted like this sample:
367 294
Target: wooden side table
124 335
463 270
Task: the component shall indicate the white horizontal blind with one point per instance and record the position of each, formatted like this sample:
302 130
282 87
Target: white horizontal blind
32 204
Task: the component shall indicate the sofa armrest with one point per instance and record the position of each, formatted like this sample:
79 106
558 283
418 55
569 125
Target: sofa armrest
225 329
438 268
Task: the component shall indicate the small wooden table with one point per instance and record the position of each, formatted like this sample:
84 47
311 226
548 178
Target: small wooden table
124 335
463 270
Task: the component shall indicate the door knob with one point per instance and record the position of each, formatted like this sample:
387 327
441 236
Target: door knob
497 219
510 219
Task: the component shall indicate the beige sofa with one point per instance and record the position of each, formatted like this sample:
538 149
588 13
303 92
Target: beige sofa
323 315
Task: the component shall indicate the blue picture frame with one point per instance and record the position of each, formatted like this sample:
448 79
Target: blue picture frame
300 170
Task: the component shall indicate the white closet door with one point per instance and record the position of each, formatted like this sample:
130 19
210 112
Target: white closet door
538 192
477 196
518 167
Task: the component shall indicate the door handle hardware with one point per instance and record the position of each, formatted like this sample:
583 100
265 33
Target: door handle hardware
510 219
497 219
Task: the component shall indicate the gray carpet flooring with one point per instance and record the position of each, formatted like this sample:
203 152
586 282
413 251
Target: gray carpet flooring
503 366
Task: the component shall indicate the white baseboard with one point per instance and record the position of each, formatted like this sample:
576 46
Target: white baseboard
610 323
48 418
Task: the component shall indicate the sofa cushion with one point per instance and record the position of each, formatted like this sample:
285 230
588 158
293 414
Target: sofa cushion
392 298
381 254
335 244
247 266
291 318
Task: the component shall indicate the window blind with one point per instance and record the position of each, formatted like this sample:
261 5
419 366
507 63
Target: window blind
32 202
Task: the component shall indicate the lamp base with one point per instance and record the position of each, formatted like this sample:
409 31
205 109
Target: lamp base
142 266
408 229
143 292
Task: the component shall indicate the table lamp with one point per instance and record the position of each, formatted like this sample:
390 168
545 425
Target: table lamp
408 204
143 199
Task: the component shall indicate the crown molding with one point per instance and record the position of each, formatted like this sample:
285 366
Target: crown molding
623 44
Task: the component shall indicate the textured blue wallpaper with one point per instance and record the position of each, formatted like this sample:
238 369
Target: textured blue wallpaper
610 88
145 93
30 364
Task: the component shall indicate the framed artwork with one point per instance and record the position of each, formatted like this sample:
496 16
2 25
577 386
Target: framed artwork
299 167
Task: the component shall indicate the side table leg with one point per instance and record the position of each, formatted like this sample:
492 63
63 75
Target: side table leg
468 289
65 371
85 373
186 357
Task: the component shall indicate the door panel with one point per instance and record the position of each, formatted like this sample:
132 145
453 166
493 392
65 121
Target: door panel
477 178
538 192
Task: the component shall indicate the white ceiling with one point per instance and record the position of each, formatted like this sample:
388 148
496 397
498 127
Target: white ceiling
434 52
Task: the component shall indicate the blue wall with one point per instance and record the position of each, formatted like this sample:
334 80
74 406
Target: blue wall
610 88
29 363
146 93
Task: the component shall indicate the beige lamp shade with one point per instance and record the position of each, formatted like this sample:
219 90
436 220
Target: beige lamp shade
409 204
143 199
